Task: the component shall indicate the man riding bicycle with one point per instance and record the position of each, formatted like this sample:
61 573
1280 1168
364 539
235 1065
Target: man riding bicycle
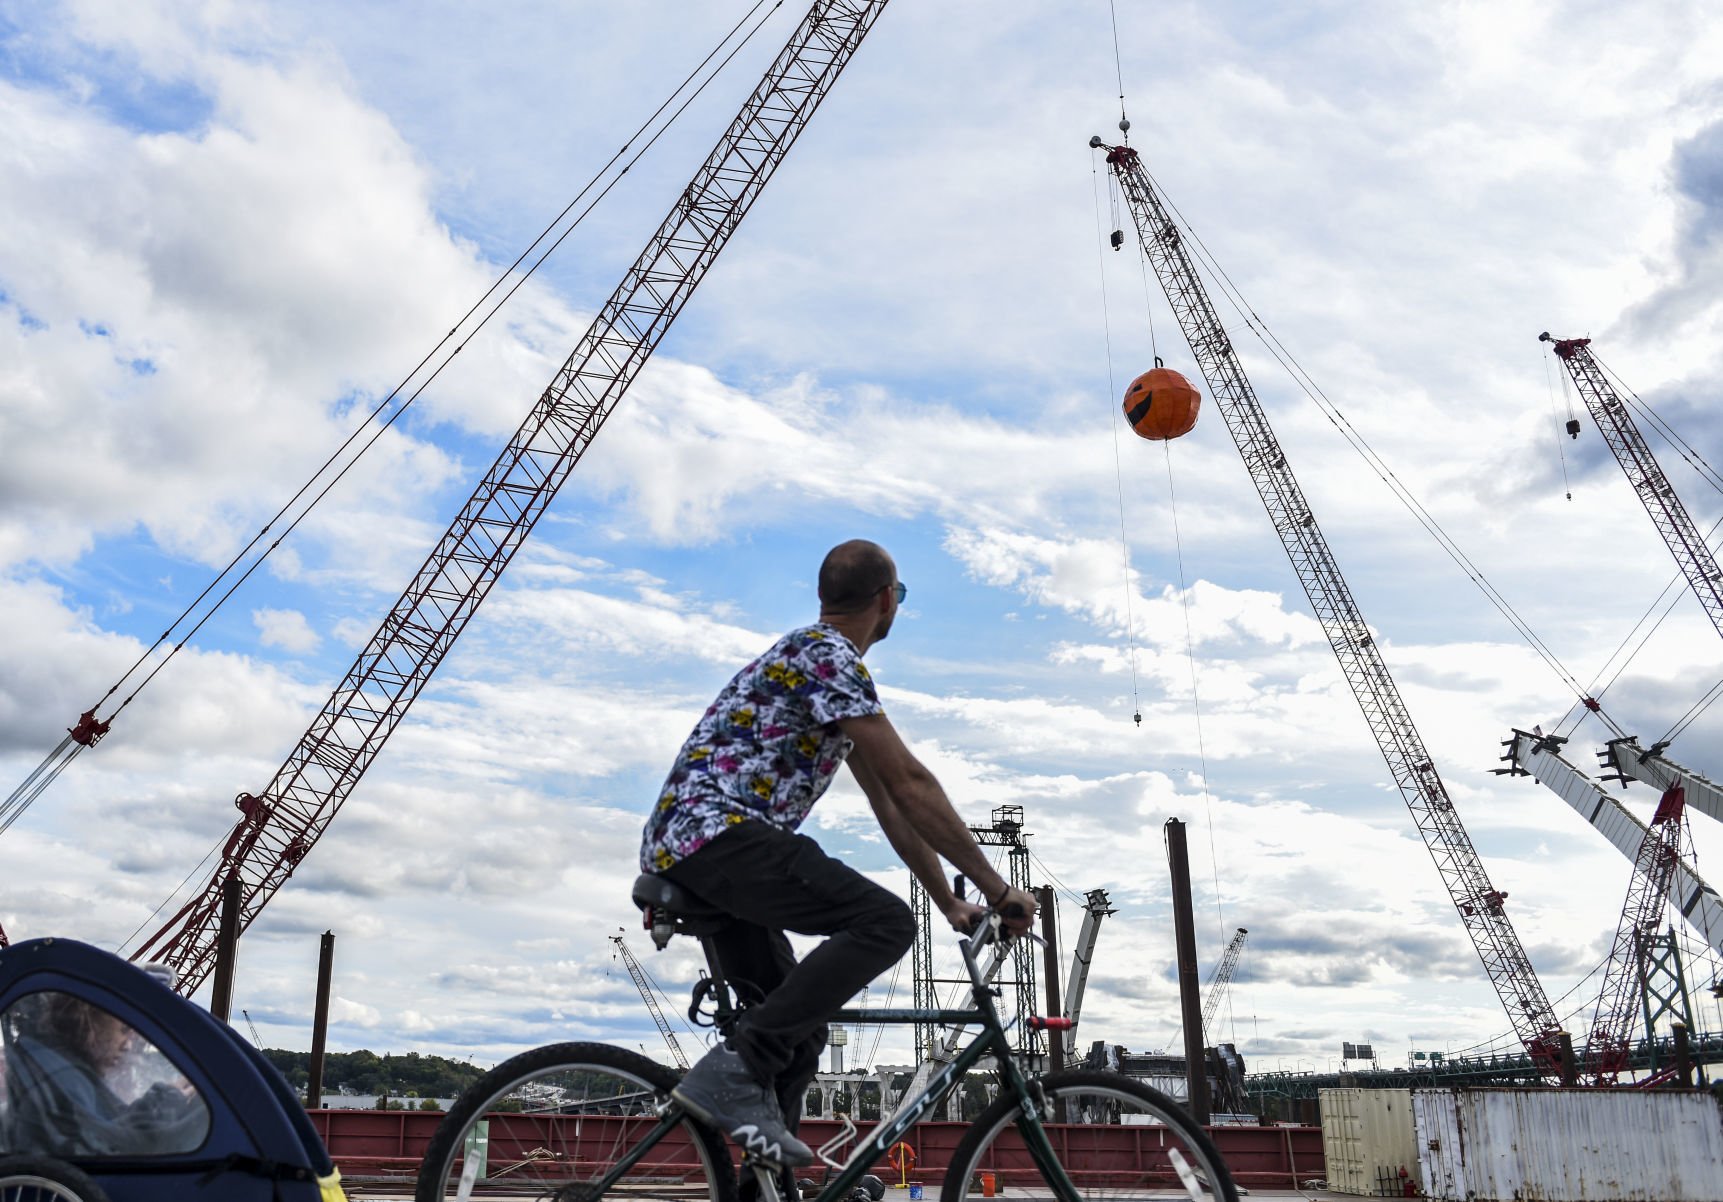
724 828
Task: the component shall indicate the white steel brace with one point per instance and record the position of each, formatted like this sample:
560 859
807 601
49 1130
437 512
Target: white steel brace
1537 755
1649 766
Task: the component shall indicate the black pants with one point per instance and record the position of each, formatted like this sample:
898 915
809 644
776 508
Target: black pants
773 881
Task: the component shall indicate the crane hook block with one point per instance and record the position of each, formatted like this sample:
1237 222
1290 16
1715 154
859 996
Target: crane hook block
1573 427
1117 238
1138 717
1161 404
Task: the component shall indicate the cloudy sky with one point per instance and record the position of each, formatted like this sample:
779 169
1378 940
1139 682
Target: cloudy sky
232 227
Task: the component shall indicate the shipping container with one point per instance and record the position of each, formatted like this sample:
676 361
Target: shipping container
1570 1145
1368 1141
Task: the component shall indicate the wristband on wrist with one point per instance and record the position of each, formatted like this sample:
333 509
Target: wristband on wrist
994 901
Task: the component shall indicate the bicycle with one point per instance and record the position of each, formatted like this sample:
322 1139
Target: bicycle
586 1120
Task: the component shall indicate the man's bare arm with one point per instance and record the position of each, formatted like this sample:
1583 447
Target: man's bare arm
922 860
917 798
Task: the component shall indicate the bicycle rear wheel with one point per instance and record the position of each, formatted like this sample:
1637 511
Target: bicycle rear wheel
46 1179
553 1123
1115 1137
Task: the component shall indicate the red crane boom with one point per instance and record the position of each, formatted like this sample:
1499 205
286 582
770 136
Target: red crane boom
1612 1029
1479 904
279 825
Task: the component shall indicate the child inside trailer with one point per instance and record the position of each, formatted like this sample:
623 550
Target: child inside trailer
80 1081
112 1086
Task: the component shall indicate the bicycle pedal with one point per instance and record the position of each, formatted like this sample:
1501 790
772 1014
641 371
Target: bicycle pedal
765 1178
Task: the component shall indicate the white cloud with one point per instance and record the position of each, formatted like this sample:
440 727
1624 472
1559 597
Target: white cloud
285 628
231 229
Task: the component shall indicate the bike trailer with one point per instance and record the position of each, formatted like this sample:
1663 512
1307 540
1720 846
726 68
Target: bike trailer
113 1087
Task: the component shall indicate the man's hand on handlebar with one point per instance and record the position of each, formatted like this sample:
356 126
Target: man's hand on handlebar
964 916
1017 911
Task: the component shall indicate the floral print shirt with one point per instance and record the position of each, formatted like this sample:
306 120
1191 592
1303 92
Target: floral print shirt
766 748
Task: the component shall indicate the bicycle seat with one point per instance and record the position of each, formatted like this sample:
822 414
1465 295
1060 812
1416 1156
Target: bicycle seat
669 909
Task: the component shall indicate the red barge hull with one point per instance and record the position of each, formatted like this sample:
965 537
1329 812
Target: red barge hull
390 1143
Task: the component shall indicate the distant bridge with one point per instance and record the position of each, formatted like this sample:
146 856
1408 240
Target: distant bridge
1506 1069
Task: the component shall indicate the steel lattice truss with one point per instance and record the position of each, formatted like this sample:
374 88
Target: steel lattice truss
278 826
1608 1050
1667 512
1479 904
926 989
1217 987
1022 981
1006 832
640 983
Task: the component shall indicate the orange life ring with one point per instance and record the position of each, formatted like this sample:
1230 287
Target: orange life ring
901 1157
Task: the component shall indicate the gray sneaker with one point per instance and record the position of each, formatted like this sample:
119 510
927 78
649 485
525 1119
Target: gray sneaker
721 1091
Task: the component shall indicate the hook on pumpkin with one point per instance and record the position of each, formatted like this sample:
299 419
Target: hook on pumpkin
1161 404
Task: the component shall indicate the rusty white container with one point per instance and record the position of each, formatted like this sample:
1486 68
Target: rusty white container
1569 1145
1367 1139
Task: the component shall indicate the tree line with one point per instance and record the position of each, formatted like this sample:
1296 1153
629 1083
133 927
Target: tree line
365 1072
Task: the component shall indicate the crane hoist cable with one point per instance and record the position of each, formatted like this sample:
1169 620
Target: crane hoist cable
1678 444
879 1028
1070 893
89 729
1692 715
1118 460
1572 422
1196 695
1112 389
1668 599
1118 467
1118 66
1251 320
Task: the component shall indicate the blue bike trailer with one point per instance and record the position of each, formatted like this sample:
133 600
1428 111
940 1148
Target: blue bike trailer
104 1067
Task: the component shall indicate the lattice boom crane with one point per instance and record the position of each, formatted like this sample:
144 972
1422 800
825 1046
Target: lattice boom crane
1222 978
279 826
640 983
1617 1009
1667 512
1479 904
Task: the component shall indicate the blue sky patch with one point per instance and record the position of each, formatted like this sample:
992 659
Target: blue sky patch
32 56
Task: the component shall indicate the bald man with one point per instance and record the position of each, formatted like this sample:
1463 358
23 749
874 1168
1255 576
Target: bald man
725 829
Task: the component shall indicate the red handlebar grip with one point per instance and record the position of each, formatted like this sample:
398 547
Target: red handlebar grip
1050 1024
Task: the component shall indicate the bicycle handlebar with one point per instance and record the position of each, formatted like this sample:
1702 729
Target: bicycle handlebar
992 918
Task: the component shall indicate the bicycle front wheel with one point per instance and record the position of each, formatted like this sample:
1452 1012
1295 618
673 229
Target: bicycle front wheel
572 1122
1114 1137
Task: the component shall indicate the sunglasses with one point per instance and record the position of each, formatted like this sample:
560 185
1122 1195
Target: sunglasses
900 590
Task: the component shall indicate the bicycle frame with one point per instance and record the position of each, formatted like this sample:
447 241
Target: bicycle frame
870 1151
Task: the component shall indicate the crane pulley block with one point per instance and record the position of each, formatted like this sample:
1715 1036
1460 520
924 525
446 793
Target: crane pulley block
88 731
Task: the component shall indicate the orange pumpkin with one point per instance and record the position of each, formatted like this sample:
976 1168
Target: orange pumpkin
1162 404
